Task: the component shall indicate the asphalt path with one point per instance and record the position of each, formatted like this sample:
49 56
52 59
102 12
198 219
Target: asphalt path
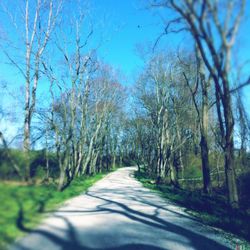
118 213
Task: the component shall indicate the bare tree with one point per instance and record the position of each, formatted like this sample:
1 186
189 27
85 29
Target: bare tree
202 84
39 20
160 94
214 32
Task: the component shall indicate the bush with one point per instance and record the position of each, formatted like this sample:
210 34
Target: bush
7 159
37 163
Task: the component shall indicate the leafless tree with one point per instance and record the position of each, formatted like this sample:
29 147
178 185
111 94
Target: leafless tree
39 20
200 84
214 26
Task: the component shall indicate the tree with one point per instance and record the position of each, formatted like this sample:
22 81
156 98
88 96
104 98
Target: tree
215 33
161 96
202 84
39 21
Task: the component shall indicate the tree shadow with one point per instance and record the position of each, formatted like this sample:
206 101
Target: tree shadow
20 219
198 241
117 202
39 206
71 242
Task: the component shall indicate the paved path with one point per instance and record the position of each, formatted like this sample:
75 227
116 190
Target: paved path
118 213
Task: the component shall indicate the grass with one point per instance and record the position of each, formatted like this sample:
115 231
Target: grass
23 206
213 210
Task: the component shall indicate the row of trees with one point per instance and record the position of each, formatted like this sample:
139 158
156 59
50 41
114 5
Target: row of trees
78 120
175 123
82 124
184 103
187 100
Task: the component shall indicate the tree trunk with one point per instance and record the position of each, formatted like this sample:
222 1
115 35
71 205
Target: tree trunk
27 121
205 165
207 187
114 161
229 154
61 180
173 175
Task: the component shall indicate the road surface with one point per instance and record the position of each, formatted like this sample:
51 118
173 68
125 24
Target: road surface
118 213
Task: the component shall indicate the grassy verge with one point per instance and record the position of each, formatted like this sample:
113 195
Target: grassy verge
210 210
23 206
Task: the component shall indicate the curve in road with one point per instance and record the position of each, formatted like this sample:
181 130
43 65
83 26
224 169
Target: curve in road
118 213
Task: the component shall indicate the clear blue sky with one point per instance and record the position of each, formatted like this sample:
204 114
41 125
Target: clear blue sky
126 25
130 26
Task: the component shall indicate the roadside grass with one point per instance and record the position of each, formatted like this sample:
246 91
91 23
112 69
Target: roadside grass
23 206
213 211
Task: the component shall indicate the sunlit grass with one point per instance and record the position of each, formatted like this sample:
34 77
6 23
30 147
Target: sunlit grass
23 206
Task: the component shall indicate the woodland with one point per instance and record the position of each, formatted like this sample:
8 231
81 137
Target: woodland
183 122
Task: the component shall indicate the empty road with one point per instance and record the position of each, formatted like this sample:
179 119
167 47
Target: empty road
119 213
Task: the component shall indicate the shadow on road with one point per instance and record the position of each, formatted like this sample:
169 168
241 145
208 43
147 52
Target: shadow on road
116 202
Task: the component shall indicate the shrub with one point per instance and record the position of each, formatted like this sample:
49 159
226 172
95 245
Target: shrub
36 161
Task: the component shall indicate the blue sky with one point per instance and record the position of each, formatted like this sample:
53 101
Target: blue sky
121 25
130 26
125 26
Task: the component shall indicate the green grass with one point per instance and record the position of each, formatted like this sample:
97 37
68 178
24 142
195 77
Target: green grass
22 207
213 210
